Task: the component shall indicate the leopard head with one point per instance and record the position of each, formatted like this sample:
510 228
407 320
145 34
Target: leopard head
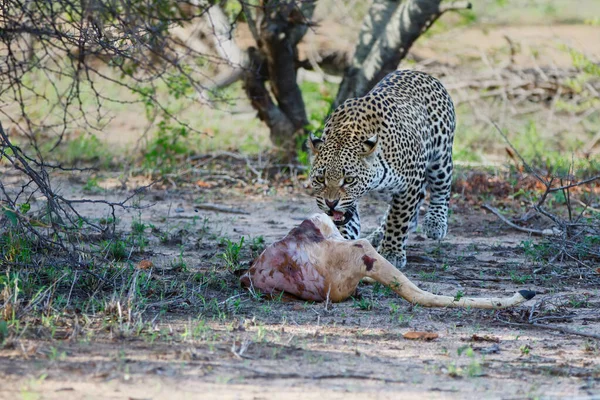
343 167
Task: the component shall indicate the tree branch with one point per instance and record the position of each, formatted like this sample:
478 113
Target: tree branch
496 212
407 21
456 6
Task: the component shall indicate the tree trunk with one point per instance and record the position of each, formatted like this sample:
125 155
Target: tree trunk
277 29
388 31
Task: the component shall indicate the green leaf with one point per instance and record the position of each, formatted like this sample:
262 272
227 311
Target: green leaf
11 215
3 330
462 349
24 208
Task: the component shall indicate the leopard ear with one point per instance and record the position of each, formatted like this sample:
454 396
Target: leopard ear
314 143
369 146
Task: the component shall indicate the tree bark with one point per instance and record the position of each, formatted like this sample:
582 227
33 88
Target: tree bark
277 29
280 126
388 32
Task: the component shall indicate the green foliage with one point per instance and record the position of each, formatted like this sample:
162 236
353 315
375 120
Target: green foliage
24 208
178 84
318 99
583 62
459 295
579 301
536 250
594 21
10 215
463 154
519 278
91 186
86 148
428 276
169 142
231 254
117 249
525 349
363 303
536 149
257 245
3 332
379 289
167 147
15 246
179 264
580 84
473 368
233 9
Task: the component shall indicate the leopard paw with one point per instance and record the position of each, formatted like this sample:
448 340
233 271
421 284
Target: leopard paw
376 237
435 227
396 259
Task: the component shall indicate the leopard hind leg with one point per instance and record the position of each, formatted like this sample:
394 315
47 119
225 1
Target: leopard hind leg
439 182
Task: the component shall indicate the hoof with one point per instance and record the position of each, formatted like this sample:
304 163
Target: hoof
527 294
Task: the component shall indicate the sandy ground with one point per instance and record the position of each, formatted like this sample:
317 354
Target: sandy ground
275 349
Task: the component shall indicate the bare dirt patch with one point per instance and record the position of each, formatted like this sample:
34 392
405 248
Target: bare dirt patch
236 346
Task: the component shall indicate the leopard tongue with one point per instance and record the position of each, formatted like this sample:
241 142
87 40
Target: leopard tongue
337 216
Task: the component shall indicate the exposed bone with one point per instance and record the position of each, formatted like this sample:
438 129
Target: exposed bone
314 262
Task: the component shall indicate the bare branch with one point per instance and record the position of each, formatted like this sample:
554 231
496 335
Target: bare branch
575 184
545 232
455 6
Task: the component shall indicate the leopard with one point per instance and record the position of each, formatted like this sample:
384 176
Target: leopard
395 144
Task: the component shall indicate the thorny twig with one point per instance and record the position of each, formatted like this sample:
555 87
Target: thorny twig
61 213
568 236
71 49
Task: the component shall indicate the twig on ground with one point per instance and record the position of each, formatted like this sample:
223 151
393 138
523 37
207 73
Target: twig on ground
294 375
219 208
239 352
545 232
420 258
462 277
551 328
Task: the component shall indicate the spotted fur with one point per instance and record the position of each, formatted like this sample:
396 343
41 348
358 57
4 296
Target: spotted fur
395 142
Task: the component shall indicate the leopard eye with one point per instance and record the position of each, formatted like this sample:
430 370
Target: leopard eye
320 178
349 180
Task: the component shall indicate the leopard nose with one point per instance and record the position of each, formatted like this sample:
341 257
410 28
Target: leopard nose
331 204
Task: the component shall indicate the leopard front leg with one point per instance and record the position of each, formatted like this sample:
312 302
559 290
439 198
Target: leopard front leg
350 228
400 213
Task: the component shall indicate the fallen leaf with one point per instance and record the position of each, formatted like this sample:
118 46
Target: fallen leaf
145 264
486 338
420 335
598 270
203 184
